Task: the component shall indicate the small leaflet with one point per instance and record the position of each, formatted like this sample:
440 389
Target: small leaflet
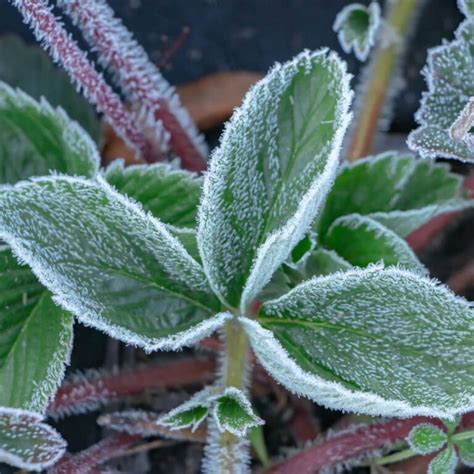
445 462
466 451
357 27
26 442
426 438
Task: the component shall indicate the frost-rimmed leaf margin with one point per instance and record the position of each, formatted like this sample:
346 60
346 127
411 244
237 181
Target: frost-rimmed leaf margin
362 241
276 360
445 462
426 445
466 7
273 247
393 176
35 390
433 138
242 401
56 282
48 457
466 451
361 46
80 157
169 193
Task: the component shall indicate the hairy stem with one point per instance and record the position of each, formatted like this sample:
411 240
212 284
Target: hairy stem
380 76
88 392
225 452
87 460
55 39
155 100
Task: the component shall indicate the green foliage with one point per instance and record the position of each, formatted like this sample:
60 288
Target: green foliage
36 139
444 463
26 442
426 438
466 451
35 338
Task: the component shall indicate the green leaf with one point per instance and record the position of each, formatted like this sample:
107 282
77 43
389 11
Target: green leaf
171 195
444 463
35 338
450 86
26 443
404 192
426 438
357 26
36 139
466 451
257 439
107 262
361 241
18 60
271 173
188 415
452 424
374 341
233 413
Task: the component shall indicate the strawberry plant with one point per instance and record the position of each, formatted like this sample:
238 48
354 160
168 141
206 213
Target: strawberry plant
298 262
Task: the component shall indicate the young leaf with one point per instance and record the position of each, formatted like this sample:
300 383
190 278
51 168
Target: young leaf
426 438
374 341
18 60
233 413
113 266
466 451
450 86
404 192
357 26
35 338
361 241
171 195
445 462
271 173
26 443
188 415
37 139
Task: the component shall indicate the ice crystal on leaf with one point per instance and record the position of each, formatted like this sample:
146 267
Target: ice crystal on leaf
357 26
426 438
445 462
269 176
446 115
113 266
26 442
35 339
413 333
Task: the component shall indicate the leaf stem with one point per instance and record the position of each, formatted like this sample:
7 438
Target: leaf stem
226 450
461 436
380 76
395 457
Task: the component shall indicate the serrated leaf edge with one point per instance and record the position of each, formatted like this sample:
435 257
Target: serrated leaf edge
172 343
36 418
332 394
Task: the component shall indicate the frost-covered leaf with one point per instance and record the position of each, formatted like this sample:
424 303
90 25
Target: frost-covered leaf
403 194
450 86
170 194
362 241
467 7
188 239
426 438
466 451
356 26
35 338
36 139
18 60
271 173
375 341
445 462
233 412
107 262
189 414
26 443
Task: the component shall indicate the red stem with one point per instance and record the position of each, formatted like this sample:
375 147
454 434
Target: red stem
64 51
97 454
347 445
86 393
139 78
